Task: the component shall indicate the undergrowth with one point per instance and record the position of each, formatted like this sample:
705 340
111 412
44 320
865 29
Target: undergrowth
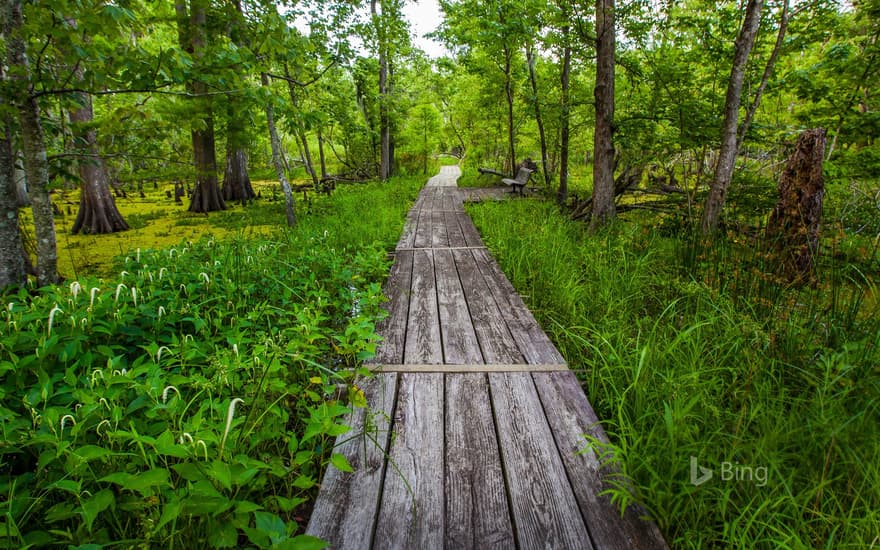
191 400
695 360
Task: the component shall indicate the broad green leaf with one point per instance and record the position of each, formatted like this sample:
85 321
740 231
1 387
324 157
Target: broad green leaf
219 471
271 525
246 507
223 535
102 500
304 482
91 452
8 530
169 513
341 462
143 482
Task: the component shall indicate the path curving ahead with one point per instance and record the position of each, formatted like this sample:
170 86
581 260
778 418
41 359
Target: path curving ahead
476 429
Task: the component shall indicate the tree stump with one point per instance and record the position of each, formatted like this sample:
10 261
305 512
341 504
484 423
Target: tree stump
794 226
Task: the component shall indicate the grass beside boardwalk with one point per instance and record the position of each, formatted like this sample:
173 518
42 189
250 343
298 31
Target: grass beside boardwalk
686 358
189 399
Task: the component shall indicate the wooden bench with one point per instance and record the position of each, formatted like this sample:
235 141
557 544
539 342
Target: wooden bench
519 183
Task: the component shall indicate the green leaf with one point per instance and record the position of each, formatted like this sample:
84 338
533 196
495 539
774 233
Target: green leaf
341 462
142 483
91 452
92 507
271 525
67 485
223 535
302 542
304 482
246 507
189 471
8 530
169 513
219 471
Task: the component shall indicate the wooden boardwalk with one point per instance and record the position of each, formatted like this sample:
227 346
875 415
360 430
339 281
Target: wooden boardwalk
476 429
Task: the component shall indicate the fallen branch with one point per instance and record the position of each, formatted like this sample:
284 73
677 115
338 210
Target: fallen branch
484 171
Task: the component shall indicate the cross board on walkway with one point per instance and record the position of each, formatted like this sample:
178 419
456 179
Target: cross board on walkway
475 433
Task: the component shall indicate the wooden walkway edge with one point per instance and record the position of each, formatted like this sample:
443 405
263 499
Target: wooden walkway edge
474 437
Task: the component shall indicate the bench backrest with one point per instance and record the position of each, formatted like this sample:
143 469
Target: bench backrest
523 175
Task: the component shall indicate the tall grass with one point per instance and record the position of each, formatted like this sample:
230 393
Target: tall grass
776 390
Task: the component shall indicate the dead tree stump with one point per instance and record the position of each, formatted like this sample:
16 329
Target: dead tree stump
794 226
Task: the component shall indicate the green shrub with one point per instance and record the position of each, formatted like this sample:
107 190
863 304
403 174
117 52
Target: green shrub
192 401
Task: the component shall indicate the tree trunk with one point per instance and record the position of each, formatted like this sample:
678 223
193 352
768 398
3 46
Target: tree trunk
603 141
727 154
193 35
277 162
508 93
236 181
12 255
206 195
97 208
21 193
384 122
36 164
321 156
768 72
562 192
301 130
530 57
795 223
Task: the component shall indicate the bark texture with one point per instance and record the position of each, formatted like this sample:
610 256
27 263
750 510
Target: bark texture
236 180
508 94
796 221
385 157
565 116
97 207
727 155
533 79
36 163
12 255
603 141
301 130
193 37
277 161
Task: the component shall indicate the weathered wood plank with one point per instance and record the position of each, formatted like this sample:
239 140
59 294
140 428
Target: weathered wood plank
453 230
570 417
423 326
471 235
444 248
474 367
456 329
449 199
412 511
545 510
348 503
393 327
531 341
477 511
495 340
408 236
423 237
438 230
